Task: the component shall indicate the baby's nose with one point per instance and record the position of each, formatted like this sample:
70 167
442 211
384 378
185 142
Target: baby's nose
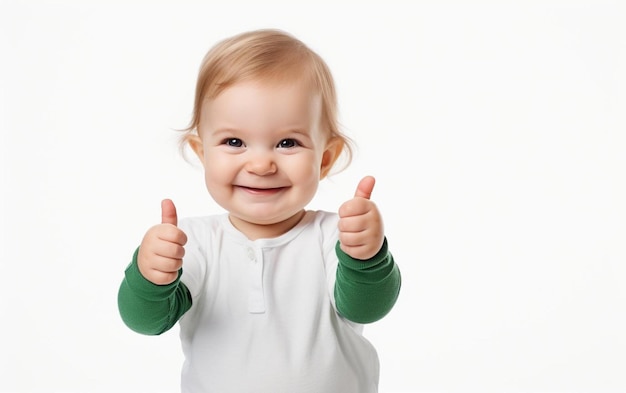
261 164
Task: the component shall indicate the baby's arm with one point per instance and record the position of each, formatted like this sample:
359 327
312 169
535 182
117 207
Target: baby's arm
151 298
148 308
368 280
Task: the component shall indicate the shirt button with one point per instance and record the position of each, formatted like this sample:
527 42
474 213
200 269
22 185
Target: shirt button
251 254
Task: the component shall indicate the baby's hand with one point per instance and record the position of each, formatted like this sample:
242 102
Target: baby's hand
161 251
361 231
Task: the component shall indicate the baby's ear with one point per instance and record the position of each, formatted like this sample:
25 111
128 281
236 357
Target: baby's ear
334 147
195 143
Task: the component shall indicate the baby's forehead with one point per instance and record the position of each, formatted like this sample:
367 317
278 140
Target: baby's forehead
260 99
277 96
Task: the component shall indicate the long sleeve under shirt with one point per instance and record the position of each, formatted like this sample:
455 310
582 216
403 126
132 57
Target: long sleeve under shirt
241 303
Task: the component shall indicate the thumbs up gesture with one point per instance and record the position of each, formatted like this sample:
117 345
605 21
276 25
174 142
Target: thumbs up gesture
361 231
161 251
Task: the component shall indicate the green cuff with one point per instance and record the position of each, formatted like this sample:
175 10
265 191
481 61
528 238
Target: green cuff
365 271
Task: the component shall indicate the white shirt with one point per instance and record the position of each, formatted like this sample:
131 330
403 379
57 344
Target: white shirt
263 317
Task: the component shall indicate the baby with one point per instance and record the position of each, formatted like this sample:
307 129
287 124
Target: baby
269 296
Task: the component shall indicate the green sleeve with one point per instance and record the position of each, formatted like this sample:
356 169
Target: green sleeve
365 291
148 308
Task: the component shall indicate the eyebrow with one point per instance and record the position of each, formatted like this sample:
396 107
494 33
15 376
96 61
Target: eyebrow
300 131
225 131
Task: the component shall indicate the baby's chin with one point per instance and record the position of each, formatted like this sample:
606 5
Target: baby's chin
264 227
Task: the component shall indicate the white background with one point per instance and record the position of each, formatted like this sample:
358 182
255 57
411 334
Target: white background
496 130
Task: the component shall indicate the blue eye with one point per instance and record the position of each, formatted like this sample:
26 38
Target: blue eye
233 142
288 143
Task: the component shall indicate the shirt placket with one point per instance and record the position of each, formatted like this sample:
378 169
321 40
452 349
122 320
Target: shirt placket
256 298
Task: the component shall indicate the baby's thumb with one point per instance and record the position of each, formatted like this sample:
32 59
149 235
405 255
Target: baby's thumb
168 212
365 187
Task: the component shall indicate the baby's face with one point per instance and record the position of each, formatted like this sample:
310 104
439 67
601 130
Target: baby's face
263 152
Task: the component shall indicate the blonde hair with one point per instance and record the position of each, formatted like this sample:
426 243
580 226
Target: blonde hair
267 55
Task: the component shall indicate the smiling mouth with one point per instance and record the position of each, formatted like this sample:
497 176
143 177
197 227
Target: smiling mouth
262 191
